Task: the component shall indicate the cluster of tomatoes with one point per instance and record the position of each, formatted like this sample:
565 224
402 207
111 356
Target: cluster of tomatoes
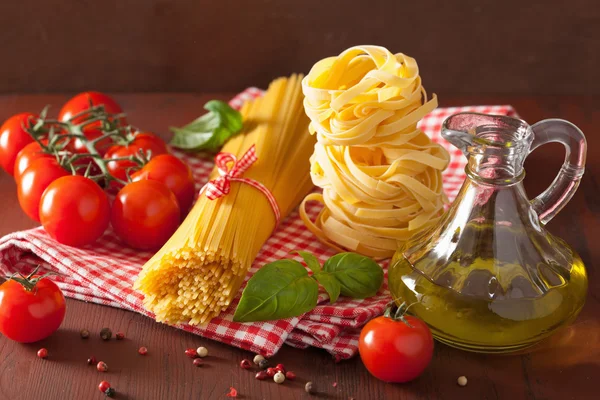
68 169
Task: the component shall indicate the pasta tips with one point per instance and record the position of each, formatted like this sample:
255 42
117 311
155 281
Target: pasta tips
380 174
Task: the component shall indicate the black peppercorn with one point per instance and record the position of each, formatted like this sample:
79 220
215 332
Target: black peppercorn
110 392
263 364
105 334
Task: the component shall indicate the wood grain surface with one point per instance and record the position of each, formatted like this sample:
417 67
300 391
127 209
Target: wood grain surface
567 366
465 46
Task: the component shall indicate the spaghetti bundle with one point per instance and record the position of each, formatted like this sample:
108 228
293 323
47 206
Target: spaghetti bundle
381 175
198 272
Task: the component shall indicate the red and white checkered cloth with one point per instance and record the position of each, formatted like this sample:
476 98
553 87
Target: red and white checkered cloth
104 272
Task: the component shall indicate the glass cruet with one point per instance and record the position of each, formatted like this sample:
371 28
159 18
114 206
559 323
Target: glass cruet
490 277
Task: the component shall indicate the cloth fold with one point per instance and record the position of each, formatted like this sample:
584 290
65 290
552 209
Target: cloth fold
104 272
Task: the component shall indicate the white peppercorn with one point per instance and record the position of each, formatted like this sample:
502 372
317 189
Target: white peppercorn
202 352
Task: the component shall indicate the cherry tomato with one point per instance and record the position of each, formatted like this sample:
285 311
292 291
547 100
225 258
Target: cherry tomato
34 181
175 174
145 214
81 102
74 210
102 146
27 156
394 350
144 142
27 316
13 138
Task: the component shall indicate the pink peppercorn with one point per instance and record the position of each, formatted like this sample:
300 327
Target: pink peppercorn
289 375
191 353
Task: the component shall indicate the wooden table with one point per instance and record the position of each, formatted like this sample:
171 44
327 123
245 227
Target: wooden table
567 366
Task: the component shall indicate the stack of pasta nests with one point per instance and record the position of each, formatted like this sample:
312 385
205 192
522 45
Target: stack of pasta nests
381 176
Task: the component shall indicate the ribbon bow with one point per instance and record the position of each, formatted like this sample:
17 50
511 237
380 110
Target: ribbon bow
221 186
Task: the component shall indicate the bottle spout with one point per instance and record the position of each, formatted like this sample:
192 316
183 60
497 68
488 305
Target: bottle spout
468 129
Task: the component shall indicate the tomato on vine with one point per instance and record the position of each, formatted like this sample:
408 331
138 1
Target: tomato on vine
27 156
74 210
141 143
34 181
174 173
82 102
31 308
396 347
13 138
145 214
78 146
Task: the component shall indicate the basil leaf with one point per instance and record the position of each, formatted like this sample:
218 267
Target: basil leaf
281 289
231 118
311 261
359 276
210 131
330 283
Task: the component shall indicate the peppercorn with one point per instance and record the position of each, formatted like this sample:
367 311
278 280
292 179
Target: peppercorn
202 352
263 364
309 387
245 364
103 386
257 359
92 360
289 375
191 353
143 351
42 353
279 377
106 334
84 333
198 362
102 367
110 392
281 368
462 380
271 372
261 375
120 336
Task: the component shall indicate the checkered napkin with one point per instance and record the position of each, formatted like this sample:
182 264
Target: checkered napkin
104 272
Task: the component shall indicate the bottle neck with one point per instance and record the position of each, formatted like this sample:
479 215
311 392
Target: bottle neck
496 165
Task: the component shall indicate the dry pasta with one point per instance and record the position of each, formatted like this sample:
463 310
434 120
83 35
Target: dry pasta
380 174
197 273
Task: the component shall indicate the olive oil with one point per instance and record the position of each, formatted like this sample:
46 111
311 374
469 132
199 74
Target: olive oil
498 324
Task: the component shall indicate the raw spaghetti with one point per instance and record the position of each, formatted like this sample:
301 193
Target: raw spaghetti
197 273
381 176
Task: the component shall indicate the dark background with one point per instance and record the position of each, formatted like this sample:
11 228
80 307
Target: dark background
463 47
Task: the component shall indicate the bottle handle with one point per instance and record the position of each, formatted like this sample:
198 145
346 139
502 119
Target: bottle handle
558 194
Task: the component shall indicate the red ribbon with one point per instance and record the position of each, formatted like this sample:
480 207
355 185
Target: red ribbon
222 185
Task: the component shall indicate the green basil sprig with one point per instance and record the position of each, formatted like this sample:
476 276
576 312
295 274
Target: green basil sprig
283 288
210 131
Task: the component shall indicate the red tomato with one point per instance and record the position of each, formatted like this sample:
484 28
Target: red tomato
82 101
175 174
145 214
144 142
29 316
78 146
34 181
27 156
395 351
13 138
74 210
